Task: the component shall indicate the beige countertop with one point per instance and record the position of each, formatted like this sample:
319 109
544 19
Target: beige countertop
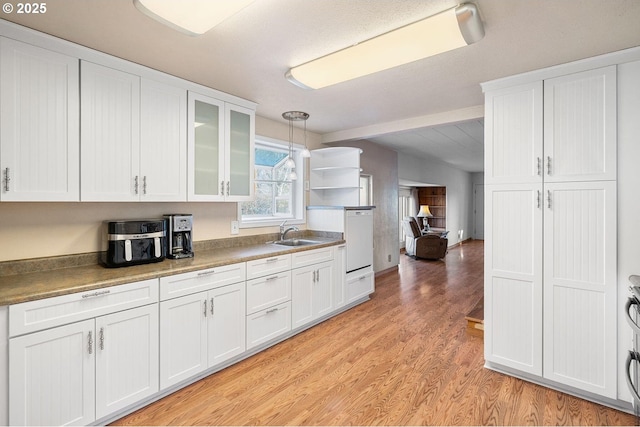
17 288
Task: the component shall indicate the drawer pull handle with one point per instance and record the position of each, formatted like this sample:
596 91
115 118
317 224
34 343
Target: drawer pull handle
271 260
90 342
272 278
205 273
273 310
101 338
362 277
96 294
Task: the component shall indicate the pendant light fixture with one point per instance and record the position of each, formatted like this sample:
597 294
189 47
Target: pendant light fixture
294 116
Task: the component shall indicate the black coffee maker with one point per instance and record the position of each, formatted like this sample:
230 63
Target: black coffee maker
179 232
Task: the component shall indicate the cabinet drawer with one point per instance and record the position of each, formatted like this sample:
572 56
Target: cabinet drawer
267 266
268 324
47 313
266 292
314 256
359 284
197 281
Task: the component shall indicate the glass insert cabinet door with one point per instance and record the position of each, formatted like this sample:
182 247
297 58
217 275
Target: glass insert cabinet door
220 150
241 153
206 148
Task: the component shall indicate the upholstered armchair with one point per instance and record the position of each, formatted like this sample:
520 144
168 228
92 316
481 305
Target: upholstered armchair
430 246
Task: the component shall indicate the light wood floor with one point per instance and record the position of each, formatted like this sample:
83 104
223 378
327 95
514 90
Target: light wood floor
403 358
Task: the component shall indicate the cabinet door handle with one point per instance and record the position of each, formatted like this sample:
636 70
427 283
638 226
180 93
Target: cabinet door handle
144 184
318 275
222 188
90 342
101 338
313 277
205 273
135 184
539 166
549 199
7 179
539 198
548 165
212 306
228 187
205 308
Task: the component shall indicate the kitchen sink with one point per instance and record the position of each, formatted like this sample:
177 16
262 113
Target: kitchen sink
296 242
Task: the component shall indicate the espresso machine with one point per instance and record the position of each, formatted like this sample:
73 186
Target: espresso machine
179 233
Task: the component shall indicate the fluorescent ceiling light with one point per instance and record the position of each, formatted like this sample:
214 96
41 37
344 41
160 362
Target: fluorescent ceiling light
448 30
193 17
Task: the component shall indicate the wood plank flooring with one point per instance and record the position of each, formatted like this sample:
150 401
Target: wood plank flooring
403 358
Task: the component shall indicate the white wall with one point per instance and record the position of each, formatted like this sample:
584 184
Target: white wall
459 190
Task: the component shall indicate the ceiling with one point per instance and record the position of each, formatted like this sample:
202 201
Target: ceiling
248 54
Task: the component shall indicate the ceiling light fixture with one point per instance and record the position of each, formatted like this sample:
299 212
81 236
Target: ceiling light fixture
193 17
294 116
448 30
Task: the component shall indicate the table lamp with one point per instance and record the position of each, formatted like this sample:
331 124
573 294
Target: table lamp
425 213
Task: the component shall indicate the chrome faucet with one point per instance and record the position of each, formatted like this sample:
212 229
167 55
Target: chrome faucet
284 232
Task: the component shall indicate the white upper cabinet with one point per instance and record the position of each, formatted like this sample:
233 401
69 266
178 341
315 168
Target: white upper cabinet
240 137
513 135
580 126
221 150
39 146
110 134
163 142
573 140
133 137
206 148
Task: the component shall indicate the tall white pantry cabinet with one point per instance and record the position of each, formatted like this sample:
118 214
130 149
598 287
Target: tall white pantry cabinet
550 230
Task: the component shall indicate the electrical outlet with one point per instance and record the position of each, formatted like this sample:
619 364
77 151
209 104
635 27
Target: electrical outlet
235 228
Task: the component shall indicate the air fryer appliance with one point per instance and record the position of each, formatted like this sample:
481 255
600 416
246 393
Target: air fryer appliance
134 242
179 228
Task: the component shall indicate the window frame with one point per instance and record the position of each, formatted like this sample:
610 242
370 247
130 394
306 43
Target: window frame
298 194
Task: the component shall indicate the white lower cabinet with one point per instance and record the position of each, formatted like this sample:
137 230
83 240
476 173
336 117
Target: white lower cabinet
126 358
199 331
77 373
340 276
268 324
312 293
360 284
268 299
51 379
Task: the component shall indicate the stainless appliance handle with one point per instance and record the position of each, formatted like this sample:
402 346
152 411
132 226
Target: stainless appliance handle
631 301
632 388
